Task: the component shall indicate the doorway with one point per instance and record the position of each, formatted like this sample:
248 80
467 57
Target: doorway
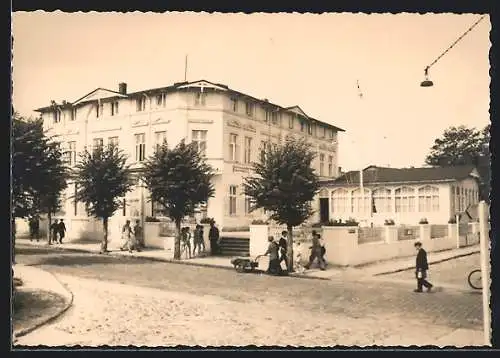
324 213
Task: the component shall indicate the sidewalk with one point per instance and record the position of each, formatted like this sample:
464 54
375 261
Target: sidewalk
224 262
34 278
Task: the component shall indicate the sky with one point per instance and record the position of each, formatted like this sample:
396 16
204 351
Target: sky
310 60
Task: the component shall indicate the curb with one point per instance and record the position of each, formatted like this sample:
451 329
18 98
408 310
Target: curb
430 263
69 303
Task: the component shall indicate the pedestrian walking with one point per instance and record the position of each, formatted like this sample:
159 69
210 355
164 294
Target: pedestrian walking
61 229
297 262
198 240
138 235
54 230
323 249
213 236
274 261
316 253
283 248
128 237
421 268
34 225
186 241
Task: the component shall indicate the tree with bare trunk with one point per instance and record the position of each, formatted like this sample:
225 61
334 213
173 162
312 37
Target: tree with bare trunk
103 178
284 183
179 179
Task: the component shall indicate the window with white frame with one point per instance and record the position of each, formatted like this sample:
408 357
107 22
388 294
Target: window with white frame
340 201
291 119
140 104
71 153
272 116
249 109
114 108
97 143
323 132
232 200
382 200
330 165
309 128
263 149
200 98
199 138
57 116
99 109
404 200
321 164
157 209
160 139
234 104
248 150
302 125
248 204
161 100
140 147
73 114
360 203
332 134
113 141
233 147
428 199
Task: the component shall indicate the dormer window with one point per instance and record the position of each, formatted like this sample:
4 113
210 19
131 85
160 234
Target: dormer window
114 108
57 116
141 104
200 99
249 109
161 99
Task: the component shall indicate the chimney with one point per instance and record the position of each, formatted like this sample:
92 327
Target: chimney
122 88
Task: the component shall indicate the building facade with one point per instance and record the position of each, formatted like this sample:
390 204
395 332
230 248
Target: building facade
403 195
228 126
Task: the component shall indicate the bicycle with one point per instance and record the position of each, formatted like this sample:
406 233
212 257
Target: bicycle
475 279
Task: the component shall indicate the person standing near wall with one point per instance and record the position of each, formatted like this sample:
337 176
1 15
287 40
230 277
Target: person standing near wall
316 253
53 231
138 234
213 236
421 268
61 228
283 248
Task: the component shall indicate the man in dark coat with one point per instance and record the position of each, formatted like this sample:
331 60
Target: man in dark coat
421 268
213 236
62 230
283 248
54 231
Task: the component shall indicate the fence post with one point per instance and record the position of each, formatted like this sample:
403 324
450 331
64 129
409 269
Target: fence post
484 238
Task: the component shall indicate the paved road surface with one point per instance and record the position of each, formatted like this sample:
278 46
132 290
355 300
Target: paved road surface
121 301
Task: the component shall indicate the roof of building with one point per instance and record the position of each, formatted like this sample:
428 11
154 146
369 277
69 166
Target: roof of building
376 175
103 93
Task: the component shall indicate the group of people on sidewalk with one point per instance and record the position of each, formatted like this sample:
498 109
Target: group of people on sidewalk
277 251
198 240
57 230
133 238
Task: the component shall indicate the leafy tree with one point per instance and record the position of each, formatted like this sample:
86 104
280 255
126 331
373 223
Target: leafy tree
38 171
179 179
284 184
102 178
464 146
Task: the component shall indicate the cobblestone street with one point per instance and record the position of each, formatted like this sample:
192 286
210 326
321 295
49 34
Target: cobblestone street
122 301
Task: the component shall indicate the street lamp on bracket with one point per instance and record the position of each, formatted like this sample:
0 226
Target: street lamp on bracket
427 82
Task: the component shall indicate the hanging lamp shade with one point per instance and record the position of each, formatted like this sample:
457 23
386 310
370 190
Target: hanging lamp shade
427 82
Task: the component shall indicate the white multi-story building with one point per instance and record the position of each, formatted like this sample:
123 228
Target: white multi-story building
229 126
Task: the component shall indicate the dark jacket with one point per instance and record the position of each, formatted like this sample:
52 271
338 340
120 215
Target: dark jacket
283 245
61 228
421 261
213 234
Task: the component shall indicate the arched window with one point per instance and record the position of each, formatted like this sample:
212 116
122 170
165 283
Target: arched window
405 200
382 200
340 201
359 203
428 199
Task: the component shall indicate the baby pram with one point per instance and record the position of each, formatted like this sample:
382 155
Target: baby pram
245 264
